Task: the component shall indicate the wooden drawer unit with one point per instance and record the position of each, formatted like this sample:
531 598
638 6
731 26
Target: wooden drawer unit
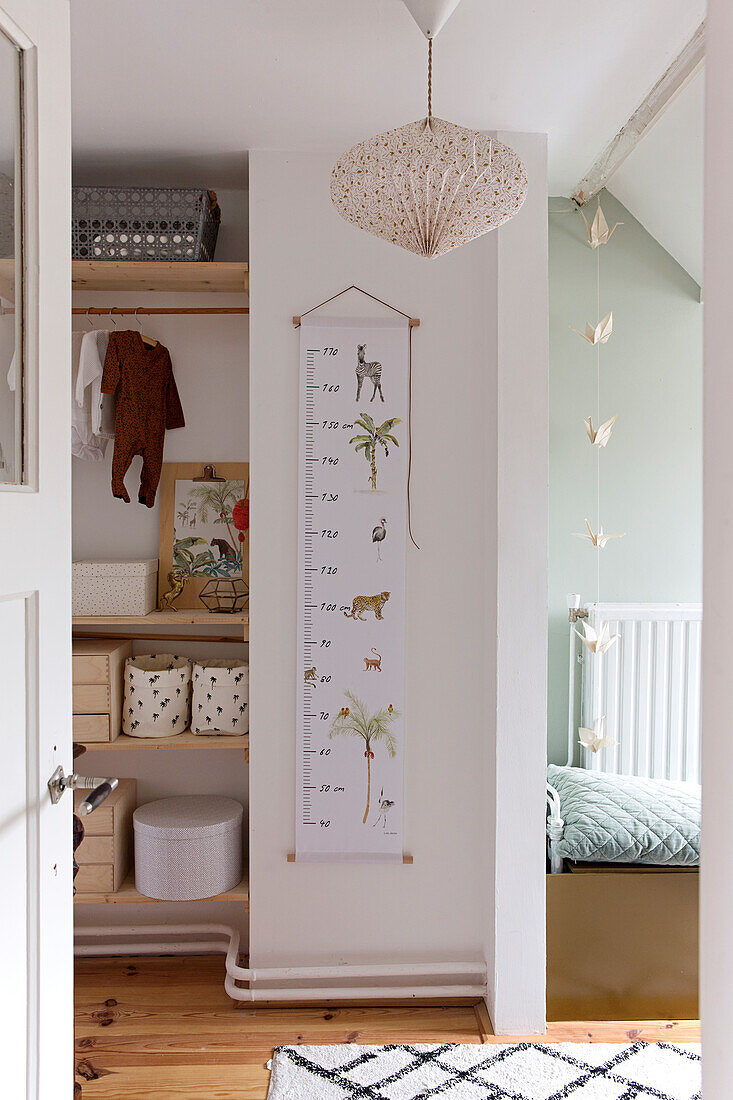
105 854
91 728
98 669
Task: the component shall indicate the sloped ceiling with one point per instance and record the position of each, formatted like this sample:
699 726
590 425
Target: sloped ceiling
661 182
180 90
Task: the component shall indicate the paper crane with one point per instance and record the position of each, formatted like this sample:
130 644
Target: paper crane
598 231
595 739
597 641
598 540
599 437
601 334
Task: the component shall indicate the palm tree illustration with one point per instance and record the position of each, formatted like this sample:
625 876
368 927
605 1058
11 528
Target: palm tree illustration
219 497
356 721
372 438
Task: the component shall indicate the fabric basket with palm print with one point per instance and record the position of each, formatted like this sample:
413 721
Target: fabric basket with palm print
220 696
157 695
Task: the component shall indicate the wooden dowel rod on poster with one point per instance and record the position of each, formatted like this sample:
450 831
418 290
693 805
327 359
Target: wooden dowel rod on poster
291 858
414 321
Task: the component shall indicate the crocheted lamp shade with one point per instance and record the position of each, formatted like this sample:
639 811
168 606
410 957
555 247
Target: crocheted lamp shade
429 186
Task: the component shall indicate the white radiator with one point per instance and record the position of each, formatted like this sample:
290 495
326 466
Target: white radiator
648 686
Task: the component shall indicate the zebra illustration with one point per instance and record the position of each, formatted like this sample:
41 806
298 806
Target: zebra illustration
372 371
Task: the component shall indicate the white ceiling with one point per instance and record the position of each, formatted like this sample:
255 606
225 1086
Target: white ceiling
661 182
179 90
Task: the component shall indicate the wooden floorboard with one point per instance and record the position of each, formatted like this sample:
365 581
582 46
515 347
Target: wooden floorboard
164 1029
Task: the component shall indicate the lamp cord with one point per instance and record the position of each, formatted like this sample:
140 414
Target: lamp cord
430 78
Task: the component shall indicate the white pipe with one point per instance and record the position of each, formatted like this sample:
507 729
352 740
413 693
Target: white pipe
422 970
230 946
179 947
349 993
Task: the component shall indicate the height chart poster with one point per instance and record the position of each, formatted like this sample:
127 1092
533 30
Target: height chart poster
351 615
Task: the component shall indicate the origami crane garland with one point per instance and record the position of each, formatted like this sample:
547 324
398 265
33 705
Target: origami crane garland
597 640
598 231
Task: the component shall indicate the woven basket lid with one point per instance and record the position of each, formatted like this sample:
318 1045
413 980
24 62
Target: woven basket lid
190 815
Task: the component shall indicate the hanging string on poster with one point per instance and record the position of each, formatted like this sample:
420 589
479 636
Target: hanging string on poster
352 543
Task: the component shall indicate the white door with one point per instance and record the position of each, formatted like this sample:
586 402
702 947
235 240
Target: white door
36 1006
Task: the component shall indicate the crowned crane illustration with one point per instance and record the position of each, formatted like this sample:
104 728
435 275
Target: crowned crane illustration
385 805
355 720
379 534
374 436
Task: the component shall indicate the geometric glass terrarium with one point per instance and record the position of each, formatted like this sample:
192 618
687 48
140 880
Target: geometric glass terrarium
225 595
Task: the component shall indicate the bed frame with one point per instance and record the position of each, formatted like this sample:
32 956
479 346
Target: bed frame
648 686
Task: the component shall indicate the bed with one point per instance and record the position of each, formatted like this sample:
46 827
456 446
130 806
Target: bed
637 800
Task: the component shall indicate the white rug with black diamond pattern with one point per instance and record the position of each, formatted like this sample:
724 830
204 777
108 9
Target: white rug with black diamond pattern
522 1071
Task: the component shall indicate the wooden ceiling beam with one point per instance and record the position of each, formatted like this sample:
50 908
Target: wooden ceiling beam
685 66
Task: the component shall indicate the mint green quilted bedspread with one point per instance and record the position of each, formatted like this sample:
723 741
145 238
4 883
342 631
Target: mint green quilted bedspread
627 819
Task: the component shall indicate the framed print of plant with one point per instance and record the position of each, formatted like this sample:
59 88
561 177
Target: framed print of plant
204 525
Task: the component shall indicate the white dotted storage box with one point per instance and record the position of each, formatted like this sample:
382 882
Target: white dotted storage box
220 702
188 847
114 587
157 699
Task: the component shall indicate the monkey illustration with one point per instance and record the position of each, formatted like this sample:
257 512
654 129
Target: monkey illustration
310 676
373 663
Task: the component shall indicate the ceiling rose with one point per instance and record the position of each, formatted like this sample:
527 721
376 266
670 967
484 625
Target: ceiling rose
431 185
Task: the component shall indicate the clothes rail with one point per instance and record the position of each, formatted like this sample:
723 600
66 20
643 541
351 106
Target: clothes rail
157 311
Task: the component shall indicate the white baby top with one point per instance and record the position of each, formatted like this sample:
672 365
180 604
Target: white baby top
86 416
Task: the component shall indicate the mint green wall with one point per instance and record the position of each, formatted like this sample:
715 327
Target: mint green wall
651 470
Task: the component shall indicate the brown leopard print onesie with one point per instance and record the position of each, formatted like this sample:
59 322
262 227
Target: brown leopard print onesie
147 403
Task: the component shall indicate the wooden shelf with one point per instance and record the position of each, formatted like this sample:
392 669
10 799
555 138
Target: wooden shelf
186 740
179 276
187 616
128 895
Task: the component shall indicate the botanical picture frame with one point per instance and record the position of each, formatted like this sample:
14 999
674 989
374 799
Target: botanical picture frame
204 526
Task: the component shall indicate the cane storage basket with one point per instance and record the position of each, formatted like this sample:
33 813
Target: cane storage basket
157 696
144 223
188 847
220 696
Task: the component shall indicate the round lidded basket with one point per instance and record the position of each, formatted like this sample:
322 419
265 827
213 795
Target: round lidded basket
188 847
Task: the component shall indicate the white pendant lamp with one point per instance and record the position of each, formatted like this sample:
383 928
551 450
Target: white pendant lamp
431 15
431 185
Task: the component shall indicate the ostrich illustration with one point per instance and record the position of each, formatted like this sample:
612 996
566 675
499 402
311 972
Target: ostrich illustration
379 534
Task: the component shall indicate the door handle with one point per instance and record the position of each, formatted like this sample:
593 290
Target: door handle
100 788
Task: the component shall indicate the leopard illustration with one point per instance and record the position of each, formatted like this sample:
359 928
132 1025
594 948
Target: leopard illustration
360 604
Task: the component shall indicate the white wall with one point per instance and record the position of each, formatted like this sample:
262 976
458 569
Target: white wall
716 885
516 997
301 253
